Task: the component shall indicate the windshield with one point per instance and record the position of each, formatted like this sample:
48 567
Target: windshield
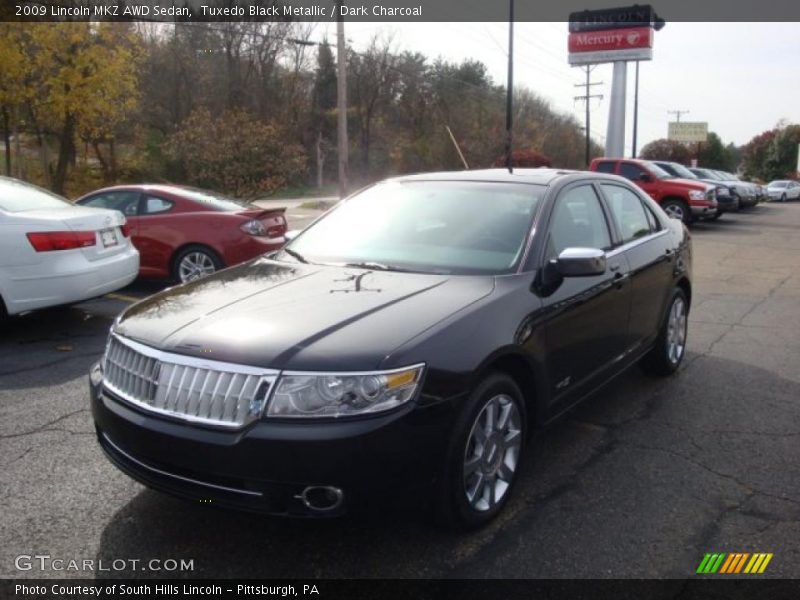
682 171
704 174
18 196
658 171
426 226
214 200
778 184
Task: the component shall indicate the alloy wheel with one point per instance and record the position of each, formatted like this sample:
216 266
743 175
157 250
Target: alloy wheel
195 265
675 211
492 453
676 331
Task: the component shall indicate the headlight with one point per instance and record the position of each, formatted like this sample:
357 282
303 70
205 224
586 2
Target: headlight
697 195
254 227
342 394
723 191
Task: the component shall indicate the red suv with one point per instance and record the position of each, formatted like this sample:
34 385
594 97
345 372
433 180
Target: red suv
682 199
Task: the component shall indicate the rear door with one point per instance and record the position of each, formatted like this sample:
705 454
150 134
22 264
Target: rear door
157 237
648 248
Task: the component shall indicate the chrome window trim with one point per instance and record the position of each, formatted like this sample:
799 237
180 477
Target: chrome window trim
174 476
633 243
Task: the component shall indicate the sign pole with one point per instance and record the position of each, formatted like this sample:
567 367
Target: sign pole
615 135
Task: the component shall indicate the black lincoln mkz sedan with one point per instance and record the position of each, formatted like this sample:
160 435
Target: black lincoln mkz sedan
412 338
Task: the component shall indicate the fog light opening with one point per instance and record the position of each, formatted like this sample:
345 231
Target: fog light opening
96 375
321 498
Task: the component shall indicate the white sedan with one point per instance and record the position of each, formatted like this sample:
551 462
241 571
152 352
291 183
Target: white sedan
783 190
53 252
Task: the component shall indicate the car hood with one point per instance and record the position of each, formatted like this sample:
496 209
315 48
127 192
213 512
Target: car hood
295 316
694 184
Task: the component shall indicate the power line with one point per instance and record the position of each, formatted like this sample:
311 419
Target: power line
678 114
587 97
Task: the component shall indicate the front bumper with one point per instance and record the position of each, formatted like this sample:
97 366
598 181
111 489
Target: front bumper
727 203
703 212
266 466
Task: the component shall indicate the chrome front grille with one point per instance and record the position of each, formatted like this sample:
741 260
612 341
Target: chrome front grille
196 390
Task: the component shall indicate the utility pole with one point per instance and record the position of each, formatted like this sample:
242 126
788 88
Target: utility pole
587 97
341 104
510 85
678 114
635 111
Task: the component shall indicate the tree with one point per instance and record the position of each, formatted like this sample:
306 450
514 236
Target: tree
712 154
665 149
323 105
781 158
235 153
754 154
84 81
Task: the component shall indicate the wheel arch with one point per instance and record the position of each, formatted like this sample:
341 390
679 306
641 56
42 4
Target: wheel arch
177 252
527 375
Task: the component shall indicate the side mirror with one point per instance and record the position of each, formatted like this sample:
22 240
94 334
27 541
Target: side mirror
644 177
290 235
581 262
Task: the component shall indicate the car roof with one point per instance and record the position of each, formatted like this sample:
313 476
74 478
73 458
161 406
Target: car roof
145 187
539 176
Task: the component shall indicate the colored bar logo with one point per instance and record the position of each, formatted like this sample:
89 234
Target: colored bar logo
734 562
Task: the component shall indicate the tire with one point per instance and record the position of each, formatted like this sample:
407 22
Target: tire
678 209
670 346
715 217
466 498
194 262
783 198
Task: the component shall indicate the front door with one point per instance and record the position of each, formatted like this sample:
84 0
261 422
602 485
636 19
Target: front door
586 317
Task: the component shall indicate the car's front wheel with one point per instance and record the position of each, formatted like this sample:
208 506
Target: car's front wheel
194 262
783 198
677 209
484 456
666 355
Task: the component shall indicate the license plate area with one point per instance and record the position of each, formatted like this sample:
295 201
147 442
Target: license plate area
108 237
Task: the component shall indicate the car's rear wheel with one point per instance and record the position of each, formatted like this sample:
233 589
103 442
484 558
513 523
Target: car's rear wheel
677 209
667 354
194 262
484 456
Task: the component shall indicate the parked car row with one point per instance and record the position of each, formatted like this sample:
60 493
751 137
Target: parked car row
684 193
56 252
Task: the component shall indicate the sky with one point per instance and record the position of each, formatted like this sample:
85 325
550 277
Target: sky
741 78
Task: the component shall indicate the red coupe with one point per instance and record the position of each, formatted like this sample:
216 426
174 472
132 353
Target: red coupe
184 233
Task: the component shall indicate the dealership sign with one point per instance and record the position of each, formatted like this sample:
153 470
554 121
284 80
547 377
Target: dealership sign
609 35
687 132
607 45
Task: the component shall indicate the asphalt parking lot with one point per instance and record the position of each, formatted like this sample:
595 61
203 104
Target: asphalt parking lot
641 481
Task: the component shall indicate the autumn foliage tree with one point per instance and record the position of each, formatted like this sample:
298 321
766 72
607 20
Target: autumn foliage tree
235 152
80 82
665 149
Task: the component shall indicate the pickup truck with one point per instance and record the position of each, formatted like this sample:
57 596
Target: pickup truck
682 199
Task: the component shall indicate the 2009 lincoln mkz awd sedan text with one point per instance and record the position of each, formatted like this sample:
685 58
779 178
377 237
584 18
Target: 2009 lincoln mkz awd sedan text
416 335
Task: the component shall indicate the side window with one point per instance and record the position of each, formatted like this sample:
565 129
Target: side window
578 221
125 202
655 225
631 171
605 167
628 212
154 205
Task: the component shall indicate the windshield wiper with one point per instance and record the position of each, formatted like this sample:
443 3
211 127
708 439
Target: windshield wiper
295 255
376 266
